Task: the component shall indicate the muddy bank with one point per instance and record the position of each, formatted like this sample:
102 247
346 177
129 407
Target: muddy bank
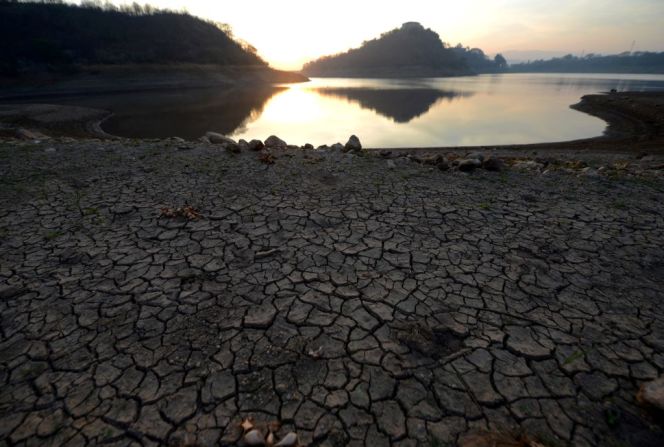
42 121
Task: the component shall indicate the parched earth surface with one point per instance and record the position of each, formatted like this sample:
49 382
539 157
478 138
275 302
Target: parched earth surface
353 304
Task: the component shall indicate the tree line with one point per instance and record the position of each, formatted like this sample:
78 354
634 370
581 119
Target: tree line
629 62
51 35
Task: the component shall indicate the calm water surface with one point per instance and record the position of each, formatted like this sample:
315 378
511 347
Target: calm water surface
480 110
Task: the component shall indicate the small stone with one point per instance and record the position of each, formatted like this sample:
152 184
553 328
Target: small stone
274 142
469 165
390 164
476 156
652 394
217 138
353 144
493 164
227 143
443 164
256 145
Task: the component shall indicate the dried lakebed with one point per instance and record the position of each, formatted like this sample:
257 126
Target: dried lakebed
353 304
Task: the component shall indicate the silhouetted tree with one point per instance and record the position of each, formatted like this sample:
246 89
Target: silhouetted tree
500 61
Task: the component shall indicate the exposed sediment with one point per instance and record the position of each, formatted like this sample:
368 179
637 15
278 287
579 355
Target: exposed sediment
162 292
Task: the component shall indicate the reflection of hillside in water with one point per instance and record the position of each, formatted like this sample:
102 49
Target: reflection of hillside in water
400 105
189 114
185 113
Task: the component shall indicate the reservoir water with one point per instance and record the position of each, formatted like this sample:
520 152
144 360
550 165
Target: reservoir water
463 111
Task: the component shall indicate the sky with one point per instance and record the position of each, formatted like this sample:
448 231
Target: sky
288 33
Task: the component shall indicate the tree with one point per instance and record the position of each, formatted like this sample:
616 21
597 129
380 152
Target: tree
500 61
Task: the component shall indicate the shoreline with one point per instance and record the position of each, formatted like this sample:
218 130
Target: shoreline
104 79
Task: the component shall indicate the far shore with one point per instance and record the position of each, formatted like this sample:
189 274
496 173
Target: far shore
104 79
635 124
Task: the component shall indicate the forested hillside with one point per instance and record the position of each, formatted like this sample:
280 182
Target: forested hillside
411 50
54 36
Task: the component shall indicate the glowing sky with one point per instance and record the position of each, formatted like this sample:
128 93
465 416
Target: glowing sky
290 32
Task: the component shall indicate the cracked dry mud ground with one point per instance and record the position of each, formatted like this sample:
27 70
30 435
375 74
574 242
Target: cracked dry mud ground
357 305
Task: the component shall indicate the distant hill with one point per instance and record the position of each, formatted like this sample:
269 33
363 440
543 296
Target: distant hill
409 51
58 37
640 62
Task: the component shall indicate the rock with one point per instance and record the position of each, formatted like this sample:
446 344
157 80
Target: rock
337 147
390 164
274 142
385 153
443 164
50 150
217 138
438 159
227 143
476 156
493 164
353 144
244 146
254 437
651 394
308 146
287 441
323 147
256 145
469 164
